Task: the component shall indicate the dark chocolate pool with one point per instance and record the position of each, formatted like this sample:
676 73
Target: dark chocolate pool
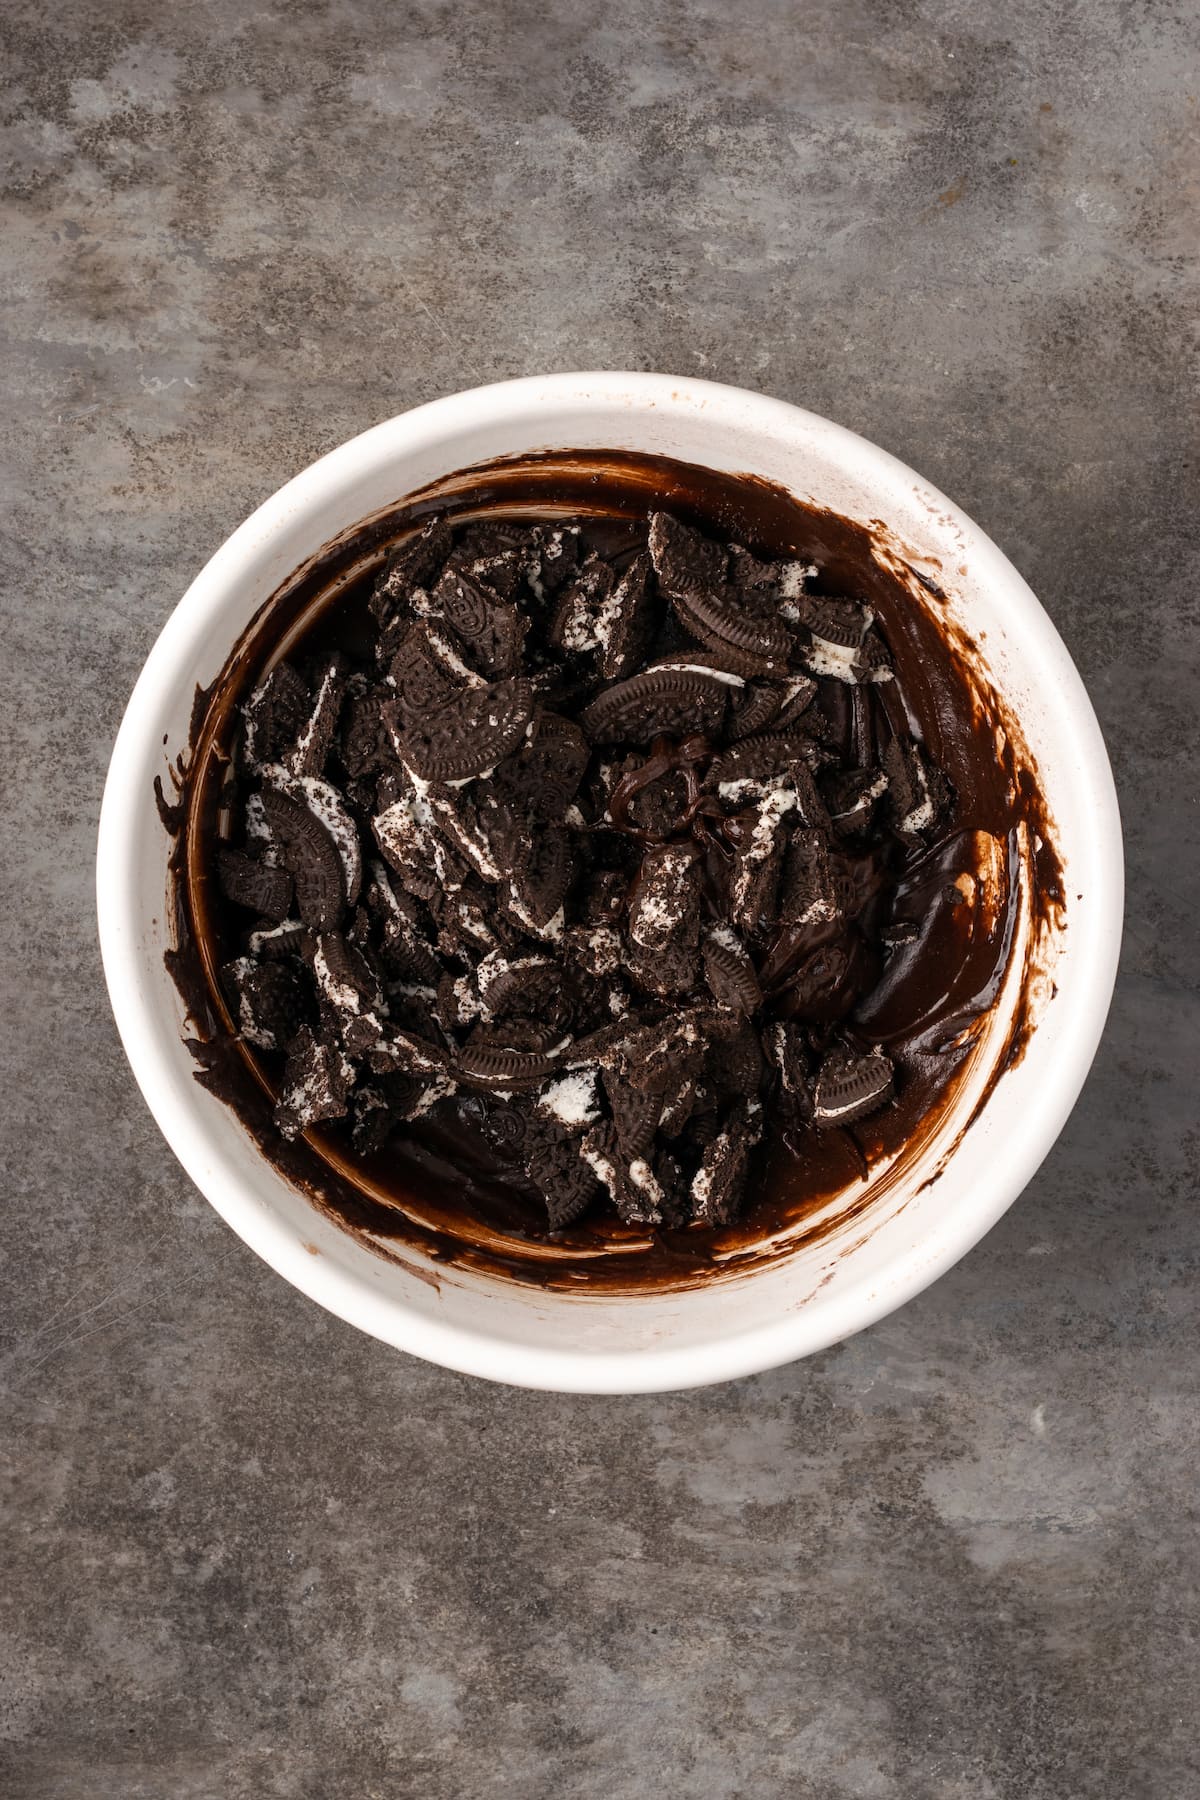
805 993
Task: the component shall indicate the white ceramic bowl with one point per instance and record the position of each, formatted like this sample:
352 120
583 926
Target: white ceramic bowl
824 1290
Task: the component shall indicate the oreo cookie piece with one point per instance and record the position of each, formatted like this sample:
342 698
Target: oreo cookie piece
311 747
318 1079
917 794
778 584
669 973
457 1001
254 884
756 645
553 559
840 622
797 693
747 769
408 836
274 715
268 999
673 1188
671 698
410 565
422 678
405 1053
688 564
719 1184
520 987
664 907
467 920
758 861
554 1163
626 622
807 892
464 998
785 1051
528 1036
679 1104
309 851
635 1116
349 989
837 634
739 661
537 881
754 708
631 1183
471 735
490 1067
850 1086
372 1120
597 949
733 1063
874 657
278 943
852 796
507 1124
498 555
542 778
366 745
575 628
403 942
386 1102
730 972
327 807
491 630
656 1057
476 832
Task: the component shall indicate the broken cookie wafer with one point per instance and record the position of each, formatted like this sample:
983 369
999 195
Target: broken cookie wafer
719 1182
410 565
665 904
850 1086
307 754
730 972
270 1001
540 780
254 884
318 1080
422 683
274 715
310 854
567 1182
631 1182
471 734
672 698
491 630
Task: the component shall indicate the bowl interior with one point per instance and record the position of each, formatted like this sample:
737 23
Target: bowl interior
857 1270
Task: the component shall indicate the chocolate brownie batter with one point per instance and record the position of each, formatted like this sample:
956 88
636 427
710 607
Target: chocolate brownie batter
593 865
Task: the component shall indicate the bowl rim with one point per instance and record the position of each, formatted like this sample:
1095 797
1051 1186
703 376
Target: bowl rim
1095 942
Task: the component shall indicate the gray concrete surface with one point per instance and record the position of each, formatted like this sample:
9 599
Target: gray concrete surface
251 1553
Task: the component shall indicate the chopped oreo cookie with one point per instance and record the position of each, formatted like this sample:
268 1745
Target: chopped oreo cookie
851 1085
585 844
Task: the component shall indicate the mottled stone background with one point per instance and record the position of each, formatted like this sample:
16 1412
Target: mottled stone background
251 1553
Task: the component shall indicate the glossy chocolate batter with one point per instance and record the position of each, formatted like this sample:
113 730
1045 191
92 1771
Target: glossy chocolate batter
954 912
